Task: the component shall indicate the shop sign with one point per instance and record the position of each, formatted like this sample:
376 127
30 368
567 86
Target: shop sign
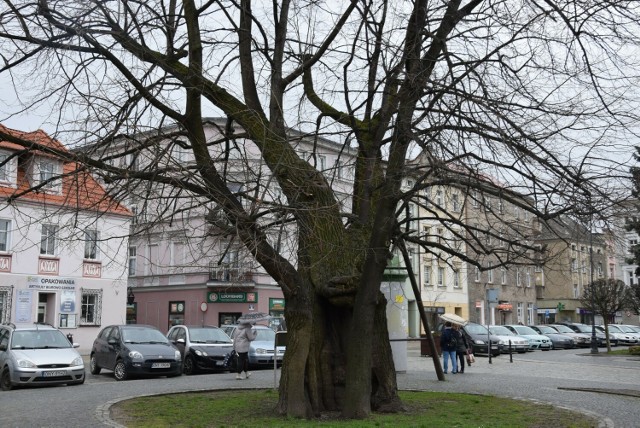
276 304
238 297
49 283
505 306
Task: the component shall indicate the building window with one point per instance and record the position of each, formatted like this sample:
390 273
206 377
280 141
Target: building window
456 278
477 276
322 162
441 277
5 226
490 273
152 260
503 275
455 202
576 291
439 198
91 306
5 304
518 279
500 206
4 167
475 199
48 239
47 172
91 244
427 275
520 312
132 261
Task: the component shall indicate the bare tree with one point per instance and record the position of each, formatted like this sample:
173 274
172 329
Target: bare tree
532 95
605 297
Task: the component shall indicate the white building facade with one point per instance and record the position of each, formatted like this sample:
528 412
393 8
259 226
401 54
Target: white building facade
62 248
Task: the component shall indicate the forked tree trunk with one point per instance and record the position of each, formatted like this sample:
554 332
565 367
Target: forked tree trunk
314 374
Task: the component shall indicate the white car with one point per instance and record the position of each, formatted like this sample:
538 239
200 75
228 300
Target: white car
38 354
626 335
508 339
536 340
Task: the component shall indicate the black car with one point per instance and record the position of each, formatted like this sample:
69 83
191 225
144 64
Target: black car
134 350
203 348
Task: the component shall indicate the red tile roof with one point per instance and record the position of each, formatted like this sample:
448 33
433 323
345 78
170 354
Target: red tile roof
79 189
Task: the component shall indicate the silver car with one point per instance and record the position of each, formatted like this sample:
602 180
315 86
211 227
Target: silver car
38 354
261 351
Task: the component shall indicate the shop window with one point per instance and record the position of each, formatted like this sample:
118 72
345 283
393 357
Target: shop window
176 313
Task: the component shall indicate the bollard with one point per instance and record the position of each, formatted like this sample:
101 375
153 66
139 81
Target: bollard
510 353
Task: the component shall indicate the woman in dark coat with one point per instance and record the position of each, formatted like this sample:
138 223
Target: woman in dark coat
462 347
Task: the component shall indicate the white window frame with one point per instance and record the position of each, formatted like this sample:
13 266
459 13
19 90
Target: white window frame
426 272
503 275
5 304
90 306
48 239
456 278
477 274
441 277
455 202
133 260
5 235
91 247
490 273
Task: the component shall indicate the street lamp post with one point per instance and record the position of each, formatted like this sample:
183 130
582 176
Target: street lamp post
594 339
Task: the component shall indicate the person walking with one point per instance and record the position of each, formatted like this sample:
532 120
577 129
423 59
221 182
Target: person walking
463 346
448 345
243 335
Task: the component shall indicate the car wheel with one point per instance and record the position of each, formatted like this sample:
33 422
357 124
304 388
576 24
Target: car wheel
93 365
189 367
5 381
120 371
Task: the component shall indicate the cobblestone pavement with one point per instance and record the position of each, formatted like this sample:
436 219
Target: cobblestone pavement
607 387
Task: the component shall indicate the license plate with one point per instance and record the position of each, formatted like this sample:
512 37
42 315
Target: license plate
160 365
54 373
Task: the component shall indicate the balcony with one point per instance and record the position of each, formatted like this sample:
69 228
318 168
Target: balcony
222 273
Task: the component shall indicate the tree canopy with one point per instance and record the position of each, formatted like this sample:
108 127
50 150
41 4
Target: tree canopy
535 97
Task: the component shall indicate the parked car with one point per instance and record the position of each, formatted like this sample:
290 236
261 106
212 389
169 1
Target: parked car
558 340
478 337
508 338
622 335
38 354
203 348
134 350
582 340
261 351
587 329
536 340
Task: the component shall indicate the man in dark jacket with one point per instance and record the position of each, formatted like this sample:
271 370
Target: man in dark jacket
448 345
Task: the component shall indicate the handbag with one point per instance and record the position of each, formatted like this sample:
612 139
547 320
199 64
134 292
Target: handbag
470 357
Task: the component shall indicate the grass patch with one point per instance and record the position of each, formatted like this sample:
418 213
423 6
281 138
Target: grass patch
255 408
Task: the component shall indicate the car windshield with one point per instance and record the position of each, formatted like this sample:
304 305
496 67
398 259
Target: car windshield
475 329
208 335
615 329
563 329
583 328
522 329
624 328
39 339
546 329
266 334
500 330
142 335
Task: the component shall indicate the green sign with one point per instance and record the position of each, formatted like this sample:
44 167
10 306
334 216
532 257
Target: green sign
276 304
238 297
